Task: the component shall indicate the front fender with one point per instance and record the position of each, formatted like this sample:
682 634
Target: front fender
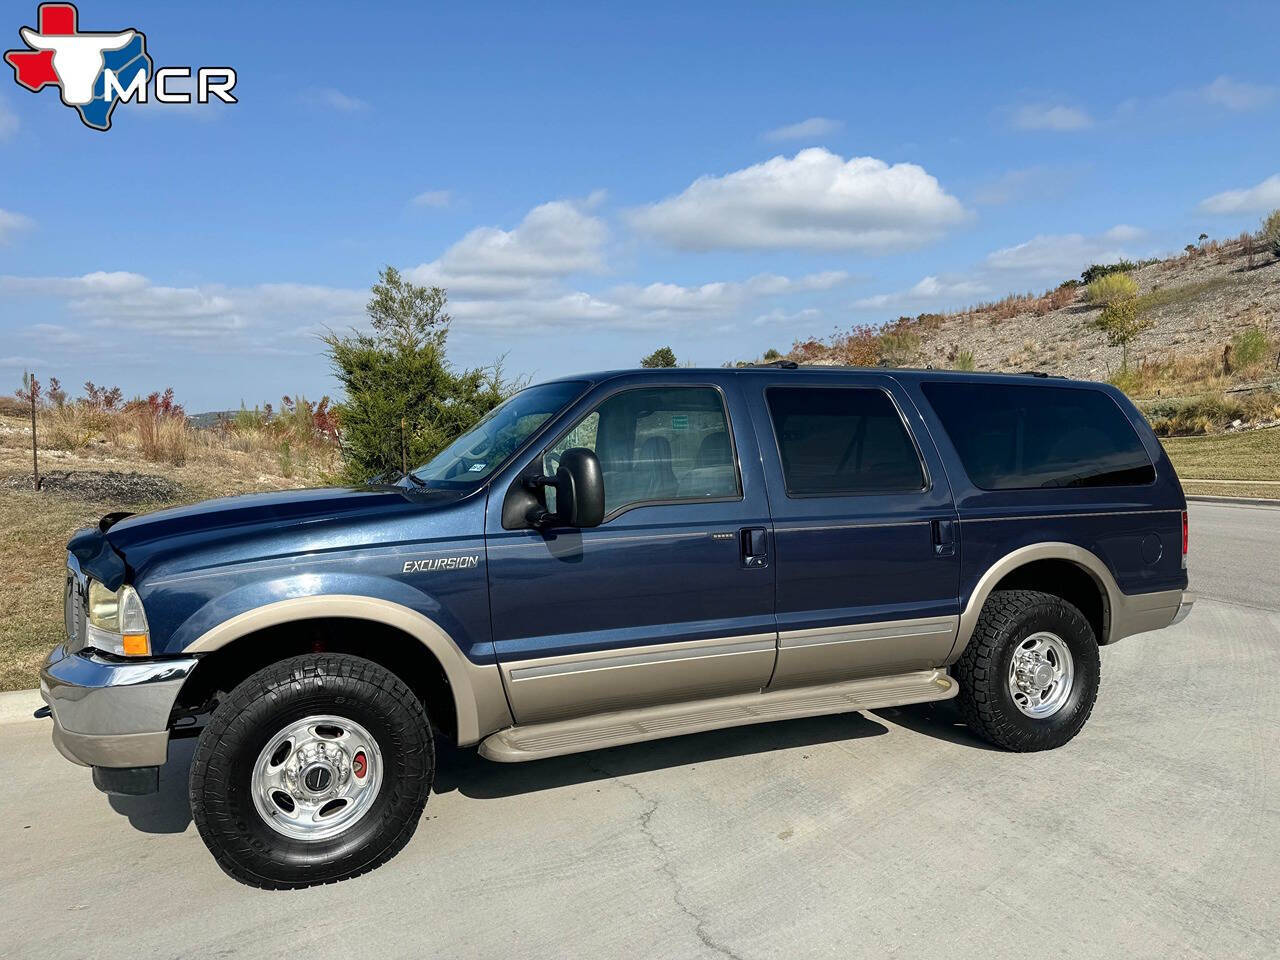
476 686
257 594
477 690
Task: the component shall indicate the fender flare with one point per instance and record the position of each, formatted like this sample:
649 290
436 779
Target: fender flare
478 695
1113 598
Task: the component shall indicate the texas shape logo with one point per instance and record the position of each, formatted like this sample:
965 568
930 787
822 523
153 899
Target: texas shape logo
96 70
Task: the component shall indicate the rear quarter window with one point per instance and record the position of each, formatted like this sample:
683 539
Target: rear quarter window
1015 437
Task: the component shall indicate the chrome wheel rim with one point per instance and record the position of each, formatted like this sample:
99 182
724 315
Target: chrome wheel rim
1041 672
317 777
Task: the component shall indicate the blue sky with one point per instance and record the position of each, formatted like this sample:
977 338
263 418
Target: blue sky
590 182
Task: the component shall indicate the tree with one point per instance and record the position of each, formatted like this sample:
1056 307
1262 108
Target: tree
1122 322
662 357
403 401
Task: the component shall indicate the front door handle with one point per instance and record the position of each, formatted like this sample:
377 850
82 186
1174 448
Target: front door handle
754 543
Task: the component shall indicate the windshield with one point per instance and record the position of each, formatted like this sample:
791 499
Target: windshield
474 456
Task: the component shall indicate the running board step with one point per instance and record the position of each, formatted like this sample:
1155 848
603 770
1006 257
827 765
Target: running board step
559 737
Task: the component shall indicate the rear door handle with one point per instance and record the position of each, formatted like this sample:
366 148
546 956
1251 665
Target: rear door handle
754 543
944 538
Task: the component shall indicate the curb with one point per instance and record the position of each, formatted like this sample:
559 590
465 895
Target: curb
1238 501
17 706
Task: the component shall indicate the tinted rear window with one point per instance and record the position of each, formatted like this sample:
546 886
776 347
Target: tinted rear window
1013 437
842 441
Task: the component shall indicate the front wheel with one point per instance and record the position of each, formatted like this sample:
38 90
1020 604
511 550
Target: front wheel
313 770
1029 675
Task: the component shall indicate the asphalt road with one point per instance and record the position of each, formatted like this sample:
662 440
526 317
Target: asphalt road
1156 833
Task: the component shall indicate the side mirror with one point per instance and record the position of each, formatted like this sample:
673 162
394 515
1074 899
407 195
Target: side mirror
579 486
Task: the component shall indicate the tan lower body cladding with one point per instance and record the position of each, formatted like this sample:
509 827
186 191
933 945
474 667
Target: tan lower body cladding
605 682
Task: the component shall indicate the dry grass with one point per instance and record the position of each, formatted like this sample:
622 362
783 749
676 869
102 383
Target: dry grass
33 560
37 525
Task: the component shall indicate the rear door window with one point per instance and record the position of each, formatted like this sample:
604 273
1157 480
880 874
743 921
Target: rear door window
1016 437
842 441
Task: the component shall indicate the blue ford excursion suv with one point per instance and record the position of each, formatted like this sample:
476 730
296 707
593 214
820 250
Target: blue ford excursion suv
614 558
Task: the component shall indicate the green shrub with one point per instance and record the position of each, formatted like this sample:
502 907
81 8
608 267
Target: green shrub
964 360
898 346
1097 270
1249 347
1208 412
1271 226
1105 290
284 454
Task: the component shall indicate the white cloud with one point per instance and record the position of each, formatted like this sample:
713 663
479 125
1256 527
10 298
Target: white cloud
554 241
1054 256
1237 95
663 299
210 317
433 198
1124 233
530 314
336 99
1260 198
805 130
25 363
11 223
1049 116
930 289
780 317
815 200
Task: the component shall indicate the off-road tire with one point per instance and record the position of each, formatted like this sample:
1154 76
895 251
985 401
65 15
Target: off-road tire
328 683
1009 617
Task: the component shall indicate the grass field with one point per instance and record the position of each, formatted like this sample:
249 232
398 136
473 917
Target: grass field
1252 455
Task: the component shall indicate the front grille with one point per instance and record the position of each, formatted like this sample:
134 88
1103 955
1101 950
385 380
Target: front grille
75 602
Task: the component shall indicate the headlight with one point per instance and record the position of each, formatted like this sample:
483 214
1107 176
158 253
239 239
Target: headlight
117 622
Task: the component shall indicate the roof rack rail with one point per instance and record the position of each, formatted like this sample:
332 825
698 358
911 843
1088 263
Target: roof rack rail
778 364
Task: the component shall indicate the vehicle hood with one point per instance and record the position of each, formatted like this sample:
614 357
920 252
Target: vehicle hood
106 550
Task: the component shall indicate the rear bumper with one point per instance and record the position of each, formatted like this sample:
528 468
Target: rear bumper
1184 608
1143 612
111 713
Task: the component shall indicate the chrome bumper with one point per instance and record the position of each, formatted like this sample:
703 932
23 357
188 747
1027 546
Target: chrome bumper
1143 612
1184 608
111 713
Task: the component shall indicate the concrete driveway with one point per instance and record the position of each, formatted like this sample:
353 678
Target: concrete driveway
1156 833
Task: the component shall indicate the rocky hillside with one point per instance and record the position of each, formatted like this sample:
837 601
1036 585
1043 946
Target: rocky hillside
1199 302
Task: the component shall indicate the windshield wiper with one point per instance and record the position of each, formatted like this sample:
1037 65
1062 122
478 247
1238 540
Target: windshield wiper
415 478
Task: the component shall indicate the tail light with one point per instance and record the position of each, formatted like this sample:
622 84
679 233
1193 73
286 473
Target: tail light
1186 538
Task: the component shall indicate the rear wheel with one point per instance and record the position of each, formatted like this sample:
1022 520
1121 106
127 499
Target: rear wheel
313 770
1029 675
